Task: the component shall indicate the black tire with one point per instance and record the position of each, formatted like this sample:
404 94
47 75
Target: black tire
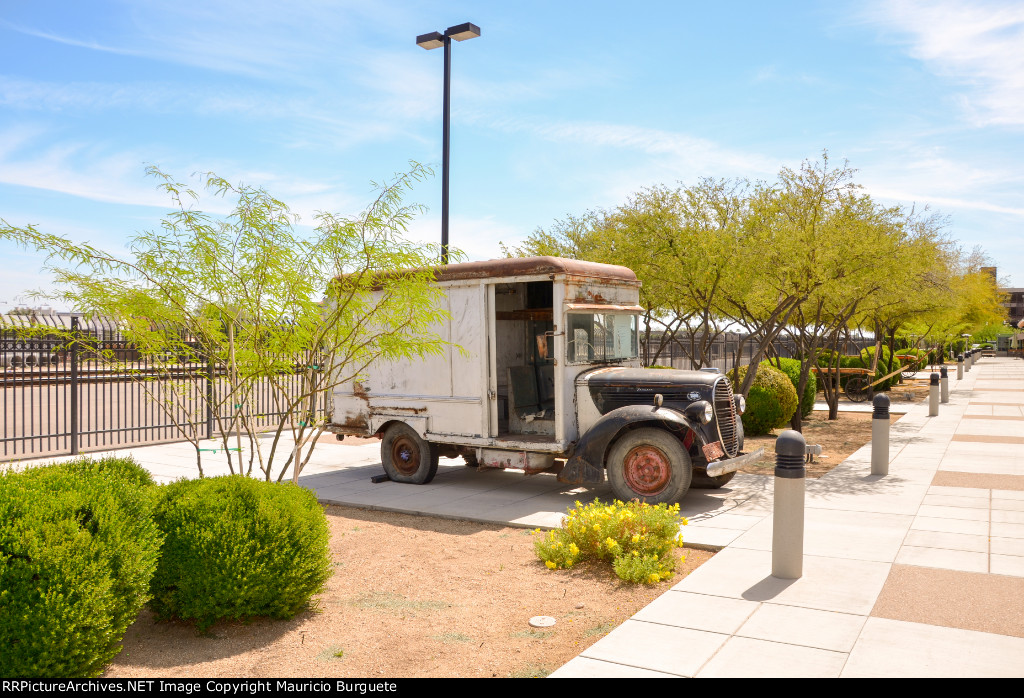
650 465
406 456
470 459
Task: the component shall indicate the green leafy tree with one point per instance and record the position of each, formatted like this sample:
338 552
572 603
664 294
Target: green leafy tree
281 308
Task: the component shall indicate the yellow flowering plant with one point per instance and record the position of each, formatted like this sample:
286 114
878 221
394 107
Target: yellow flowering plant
636 538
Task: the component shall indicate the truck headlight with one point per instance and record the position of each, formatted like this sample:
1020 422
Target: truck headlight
741 404
701 411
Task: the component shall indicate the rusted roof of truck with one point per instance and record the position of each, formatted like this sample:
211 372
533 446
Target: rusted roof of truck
531 266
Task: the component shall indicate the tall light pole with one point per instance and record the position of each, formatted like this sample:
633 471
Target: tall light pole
459 32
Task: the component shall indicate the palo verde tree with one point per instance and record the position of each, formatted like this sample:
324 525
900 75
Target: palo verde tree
253 302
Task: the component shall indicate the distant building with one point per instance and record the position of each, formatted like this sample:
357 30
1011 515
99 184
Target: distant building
1014 304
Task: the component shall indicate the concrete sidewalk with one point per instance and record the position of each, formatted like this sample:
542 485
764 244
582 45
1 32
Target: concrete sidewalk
919 573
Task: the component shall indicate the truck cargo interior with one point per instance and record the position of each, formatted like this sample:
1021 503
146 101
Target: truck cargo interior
524 329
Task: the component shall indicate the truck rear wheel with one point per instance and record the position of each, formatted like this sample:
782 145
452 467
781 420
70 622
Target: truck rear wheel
649 465
406 456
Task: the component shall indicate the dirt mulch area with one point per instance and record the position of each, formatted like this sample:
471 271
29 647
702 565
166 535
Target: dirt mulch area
411 596
838 440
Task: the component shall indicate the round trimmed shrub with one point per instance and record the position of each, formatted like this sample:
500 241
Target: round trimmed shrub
791 367
236 547
771 401
78 547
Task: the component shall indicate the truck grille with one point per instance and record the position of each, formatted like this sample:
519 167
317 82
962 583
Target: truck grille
608 400
725 415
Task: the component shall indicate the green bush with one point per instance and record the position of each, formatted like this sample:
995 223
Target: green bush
771 401
78 547
638 539
791 367
237 547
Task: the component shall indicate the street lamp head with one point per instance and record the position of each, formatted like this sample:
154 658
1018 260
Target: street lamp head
461 32
431 40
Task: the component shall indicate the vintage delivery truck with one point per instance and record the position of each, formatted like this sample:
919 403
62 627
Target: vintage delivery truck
548 378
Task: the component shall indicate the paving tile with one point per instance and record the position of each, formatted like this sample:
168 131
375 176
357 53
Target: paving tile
709 536
943 559
744 657
1007 530
836 533
972 493
586 668
961 512
1000 504
1004 516
1008 494
948 541
923 523
682 609
1006 546
946 500
828 584
1012 565
732 521
808 627
892 648
883 498
679 651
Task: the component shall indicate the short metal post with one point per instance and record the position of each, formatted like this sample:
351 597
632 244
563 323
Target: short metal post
969 360
880 435
74 385
960 367
933 395
943 385
788 510
210 368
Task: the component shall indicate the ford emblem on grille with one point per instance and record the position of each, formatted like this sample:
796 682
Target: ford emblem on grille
693 395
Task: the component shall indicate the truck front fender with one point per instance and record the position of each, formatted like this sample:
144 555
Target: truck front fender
586 465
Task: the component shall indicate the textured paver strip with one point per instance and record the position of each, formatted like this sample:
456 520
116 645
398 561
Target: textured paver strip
952 478
967 600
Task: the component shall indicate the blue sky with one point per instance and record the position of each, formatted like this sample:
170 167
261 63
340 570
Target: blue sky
557 108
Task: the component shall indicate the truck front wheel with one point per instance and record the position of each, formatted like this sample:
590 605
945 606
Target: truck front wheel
650 465
406 456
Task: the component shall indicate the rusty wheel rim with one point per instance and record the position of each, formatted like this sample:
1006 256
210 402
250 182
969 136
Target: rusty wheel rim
647 470
405 456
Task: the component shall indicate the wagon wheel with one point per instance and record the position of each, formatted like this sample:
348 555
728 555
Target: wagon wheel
857 389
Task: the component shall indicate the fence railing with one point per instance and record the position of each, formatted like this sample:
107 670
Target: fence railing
59 397
724 351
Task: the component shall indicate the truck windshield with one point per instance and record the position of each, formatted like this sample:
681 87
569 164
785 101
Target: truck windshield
601 337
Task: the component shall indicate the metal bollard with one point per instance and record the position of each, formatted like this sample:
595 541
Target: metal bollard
933 396
943 385
960 367
970 359
880 435
788 510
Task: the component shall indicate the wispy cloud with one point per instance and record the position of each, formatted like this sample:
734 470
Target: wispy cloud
688 152
92 45
977 44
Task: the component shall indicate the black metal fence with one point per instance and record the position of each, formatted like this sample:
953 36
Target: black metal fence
724 351
61 397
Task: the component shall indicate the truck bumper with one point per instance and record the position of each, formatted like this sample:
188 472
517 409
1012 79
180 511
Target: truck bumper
732 464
